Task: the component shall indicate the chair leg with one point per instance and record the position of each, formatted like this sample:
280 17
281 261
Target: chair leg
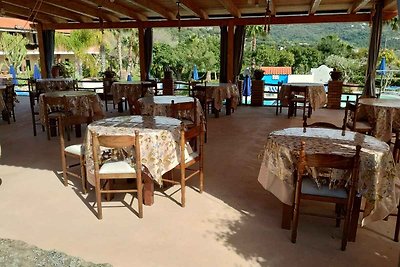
338 211
396 232
139 186
83 174
105 100
295 222
183 187
64 167
98 200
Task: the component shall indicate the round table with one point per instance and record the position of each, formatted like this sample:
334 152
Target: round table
54 84
383 114
377 177
161 106
315 91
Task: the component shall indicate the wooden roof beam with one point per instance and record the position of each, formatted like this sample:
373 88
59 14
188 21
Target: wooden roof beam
28 15
357 6
118 7
157 8
216 22
231 7
189 4
82 8
390 5
51 10
314 6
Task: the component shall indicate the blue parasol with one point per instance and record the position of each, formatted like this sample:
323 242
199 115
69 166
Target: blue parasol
36 73
129 78
382 67
13 73
247 86
195 73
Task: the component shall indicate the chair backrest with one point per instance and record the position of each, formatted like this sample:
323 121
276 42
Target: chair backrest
185 110
107 82
9 96
196 134
331 161
54 104
298 90
129 143
149 87
350 113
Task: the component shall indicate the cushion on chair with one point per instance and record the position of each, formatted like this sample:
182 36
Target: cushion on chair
188 123
75 149
191 156
116 167
309 187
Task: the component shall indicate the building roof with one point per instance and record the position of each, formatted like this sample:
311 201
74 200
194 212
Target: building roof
277 70
71 14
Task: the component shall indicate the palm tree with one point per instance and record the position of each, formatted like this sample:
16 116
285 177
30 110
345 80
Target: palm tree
253 32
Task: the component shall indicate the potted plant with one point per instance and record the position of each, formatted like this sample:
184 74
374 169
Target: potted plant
56 70
167 73
335 74
109 74
258 74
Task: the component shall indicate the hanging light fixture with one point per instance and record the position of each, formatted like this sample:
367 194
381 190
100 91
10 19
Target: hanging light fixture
267 25
178 15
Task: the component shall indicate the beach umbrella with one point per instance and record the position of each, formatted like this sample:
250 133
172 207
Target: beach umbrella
247 86
382 67
195 73
36 73
13 73
129 79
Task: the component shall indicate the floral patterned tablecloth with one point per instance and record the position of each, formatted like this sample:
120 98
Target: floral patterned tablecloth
161 106
54 84
222 91
81 103
316 93
383 114
2 103
129 90
159 141
377 177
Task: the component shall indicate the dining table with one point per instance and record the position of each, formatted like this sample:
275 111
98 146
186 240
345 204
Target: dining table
130 90
159 139
315 91
377 178
54 84
81 104
382 114
219 92
161 106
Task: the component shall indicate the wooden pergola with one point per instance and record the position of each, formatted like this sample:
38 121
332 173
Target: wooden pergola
101 14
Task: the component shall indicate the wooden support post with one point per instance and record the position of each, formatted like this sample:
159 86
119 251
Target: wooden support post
141 54
42 53
229 62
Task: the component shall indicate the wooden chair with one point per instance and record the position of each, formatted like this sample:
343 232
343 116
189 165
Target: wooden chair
9 100
189 160
185 111
55 108
109 171
107 82
279 103
351 121
75 152
320 124
396 157
306 188
199 91
34 94
298 95
149 87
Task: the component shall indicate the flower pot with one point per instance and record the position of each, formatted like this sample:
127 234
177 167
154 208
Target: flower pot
335 75
168 75
55 71
258 75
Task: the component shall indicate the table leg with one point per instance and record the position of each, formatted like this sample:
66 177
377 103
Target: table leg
148 190
228 106
287 212
53 127
120 107
354 219
78 130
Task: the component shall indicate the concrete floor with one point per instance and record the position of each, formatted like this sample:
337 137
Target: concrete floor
235 222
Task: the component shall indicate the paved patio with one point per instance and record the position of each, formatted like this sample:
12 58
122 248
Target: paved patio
235 222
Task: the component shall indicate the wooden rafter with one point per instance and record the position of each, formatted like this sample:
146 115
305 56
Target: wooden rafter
216 22
28 15
190 4
357 6
389 4
50 10
83 8
157 8
118 7
231 7
314 6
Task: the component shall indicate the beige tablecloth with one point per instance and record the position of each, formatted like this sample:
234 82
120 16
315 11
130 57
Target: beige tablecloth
159 141
377 177
383 114
129 90
81 104
54 84
2 103
220 92
161 106
316 93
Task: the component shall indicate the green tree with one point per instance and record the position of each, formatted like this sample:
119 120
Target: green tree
305 58
14 49
253 32
333 45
